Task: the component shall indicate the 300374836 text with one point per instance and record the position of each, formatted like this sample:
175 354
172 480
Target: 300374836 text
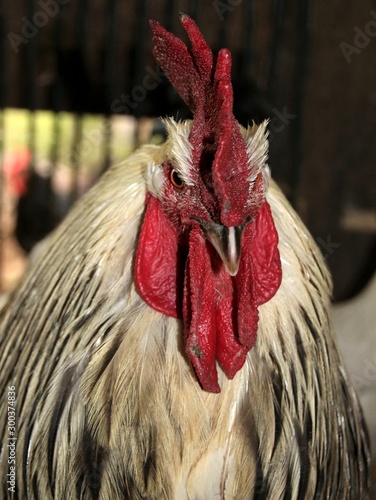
12 439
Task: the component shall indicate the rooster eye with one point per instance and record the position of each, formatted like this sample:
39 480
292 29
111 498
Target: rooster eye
176 180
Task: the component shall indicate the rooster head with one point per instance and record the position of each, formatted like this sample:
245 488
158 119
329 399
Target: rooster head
207 251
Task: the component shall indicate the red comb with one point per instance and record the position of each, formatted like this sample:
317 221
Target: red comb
205 86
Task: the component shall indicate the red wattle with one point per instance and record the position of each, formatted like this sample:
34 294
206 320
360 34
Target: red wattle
156 264
266 260
230 353
199 312
247 320
220 312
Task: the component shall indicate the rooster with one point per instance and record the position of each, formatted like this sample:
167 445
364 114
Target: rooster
174 341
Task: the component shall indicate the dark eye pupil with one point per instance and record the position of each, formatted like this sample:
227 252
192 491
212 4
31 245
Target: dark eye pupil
175 179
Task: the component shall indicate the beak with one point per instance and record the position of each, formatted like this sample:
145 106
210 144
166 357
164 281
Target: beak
227 242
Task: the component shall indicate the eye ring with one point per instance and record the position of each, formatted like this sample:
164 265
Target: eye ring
176 180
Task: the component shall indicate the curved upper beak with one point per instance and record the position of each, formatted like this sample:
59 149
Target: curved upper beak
227 242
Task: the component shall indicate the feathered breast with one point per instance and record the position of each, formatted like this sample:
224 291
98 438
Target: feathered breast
108 405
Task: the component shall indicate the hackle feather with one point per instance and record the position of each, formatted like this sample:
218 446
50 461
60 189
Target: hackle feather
108 405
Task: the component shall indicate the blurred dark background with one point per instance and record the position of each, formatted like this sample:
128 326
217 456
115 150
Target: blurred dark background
308 66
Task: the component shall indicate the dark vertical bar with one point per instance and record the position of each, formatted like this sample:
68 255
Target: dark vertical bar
196 10
2 130
169 14
297 125
2 71
31 64
110 68
222 32
141 34
249 19
2 56
140 37
277 17
81 29
57 93
56 108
